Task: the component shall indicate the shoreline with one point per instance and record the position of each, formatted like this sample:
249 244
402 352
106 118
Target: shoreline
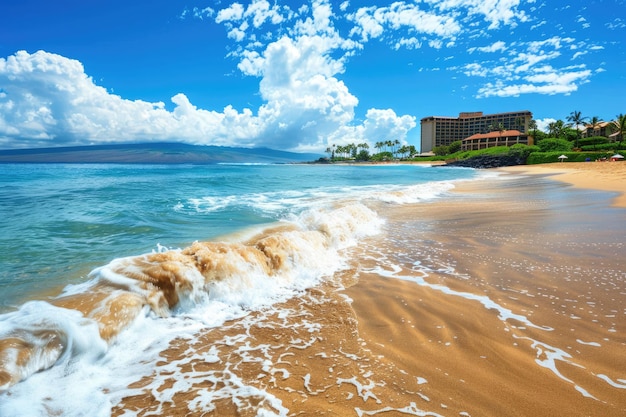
512 315
504 297
602 176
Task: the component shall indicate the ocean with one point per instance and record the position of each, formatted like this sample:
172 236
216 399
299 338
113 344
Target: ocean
106 267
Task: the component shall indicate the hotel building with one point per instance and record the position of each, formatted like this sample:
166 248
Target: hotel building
442 130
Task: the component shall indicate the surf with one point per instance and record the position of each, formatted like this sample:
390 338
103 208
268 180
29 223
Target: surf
238 276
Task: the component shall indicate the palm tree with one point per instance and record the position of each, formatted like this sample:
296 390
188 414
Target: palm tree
620 125
594 122
576 118
556 129
497 127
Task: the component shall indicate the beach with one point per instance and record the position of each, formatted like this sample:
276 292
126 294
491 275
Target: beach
497 294
558 264
607 176
506 299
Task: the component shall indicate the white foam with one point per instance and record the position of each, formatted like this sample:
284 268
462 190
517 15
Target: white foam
621 384
411 410
414 194
504 313
588 343
99 375
296 201
547 356
364 390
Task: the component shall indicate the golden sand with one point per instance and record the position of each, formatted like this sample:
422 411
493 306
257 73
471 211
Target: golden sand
507 299
607 176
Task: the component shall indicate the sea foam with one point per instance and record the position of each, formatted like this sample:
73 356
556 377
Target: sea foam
129 309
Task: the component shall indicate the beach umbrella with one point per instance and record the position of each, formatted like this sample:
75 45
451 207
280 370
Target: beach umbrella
617 156
562 157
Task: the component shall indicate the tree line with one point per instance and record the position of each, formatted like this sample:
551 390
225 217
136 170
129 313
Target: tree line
559 129
387 150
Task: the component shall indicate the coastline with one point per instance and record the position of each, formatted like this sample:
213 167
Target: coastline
513 315
604 176
503 297
506 298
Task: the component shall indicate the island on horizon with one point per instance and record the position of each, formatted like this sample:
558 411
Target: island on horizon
153 153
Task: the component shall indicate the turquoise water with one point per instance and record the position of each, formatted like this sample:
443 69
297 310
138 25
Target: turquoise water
60 221
104 266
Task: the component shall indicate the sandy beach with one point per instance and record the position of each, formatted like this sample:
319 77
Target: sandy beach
607 176
507 299
556 260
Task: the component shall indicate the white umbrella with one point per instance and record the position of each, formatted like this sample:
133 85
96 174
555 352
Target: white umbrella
562 157
617 156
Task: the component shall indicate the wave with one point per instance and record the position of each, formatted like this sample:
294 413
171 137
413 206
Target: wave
294 200
211 281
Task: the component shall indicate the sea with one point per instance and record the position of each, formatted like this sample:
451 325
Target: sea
104 266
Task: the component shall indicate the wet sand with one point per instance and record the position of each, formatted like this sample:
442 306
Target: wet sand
607 176
548 253
508 299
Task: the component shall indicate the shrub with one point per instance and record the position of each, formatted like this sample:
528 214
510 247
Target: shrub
364 155
455 146
549 157
522 151
381 156
555 145
593 140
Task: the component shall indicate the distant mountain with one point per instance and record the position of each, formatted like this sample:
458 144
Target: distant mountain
153 153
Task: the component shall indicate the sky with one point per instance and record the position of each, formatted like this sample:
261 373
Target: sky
297 75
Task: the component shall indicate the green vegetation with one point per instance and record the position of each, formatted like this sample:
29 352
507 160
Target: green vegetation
577 119
561 139
548 157
387 151
554 145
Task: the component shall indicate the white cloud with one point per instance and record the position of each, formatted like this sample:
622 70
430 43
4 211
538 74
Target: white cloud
261 11
542 124
529 68
618 23
298 56
496 12
232 13
494 47
379 125
372 22
549 81
49 100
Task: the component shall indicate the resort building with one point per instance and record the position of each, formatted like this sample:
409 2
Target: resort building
600 129
497 138
443 130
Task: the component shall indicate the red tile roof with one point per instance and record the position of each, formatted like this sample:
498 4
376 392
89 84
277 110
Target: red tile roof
495 134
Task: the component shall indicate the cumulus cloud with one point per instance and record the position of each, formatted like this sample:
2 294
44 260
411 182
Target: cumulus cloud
542 124
48 100
299 57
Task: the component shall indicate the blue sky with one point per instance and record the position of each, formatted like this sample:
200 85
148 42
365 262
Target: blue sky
297 75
